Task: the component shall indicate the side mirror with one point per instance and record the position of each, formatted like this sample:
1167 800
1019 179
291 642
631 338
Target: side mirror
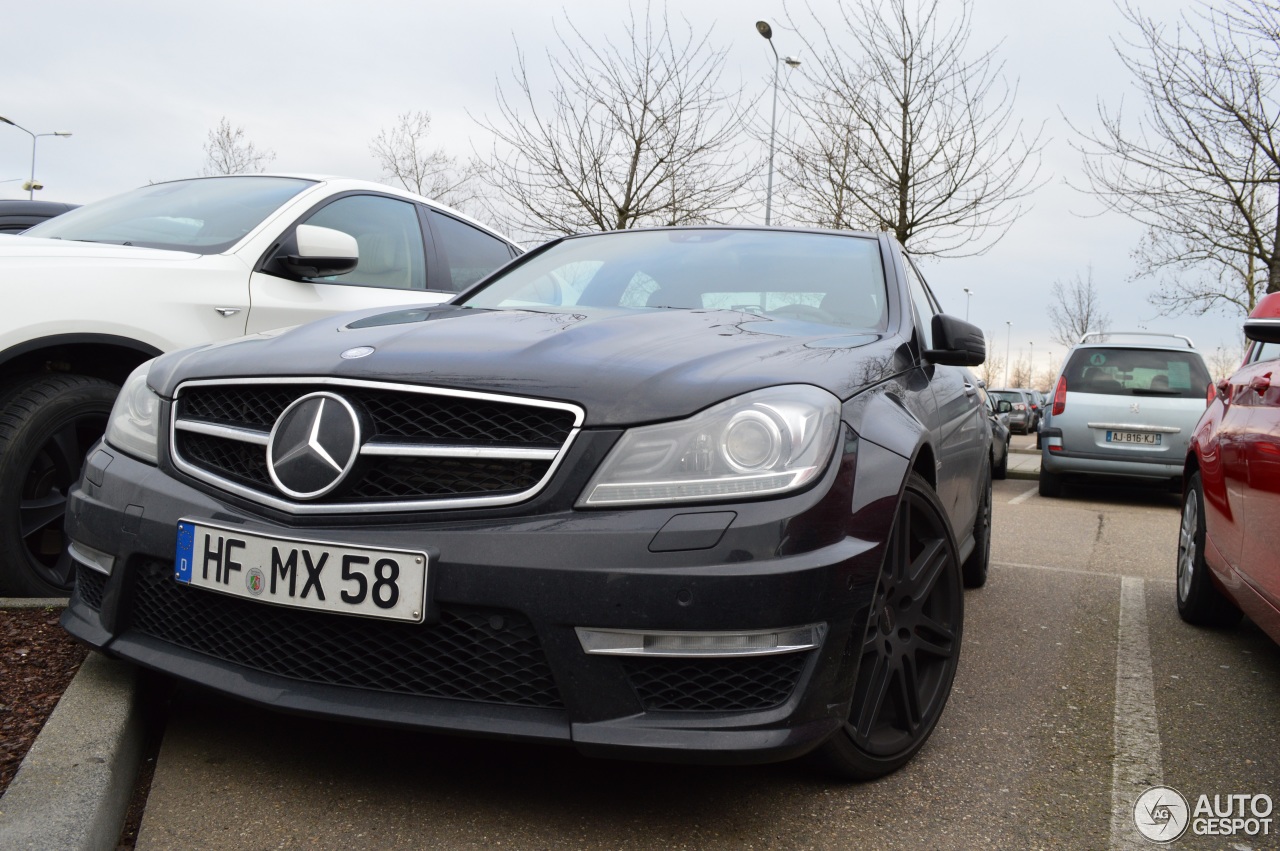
1004 406
321 252
956 342
1262 330
1263 324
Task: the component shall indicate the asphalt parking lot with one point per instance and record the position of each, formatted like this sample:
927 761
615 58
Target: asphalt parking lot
1079 688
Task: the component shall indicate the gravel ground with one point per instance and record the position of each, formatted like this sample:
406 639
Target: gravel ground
37 661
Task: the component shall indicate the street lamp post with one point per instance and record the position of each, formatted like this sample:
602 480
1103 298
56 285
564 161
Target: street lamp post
1031 370
1007 338
968 297
765 30
31 182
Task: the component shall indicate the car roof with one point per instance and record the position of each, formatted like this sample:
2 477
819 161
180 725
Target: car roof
827 231
356 184
1184 344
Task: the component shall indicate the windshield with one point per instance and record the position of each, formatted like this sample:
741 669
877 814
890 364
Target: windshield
833 279
206 215
1137 372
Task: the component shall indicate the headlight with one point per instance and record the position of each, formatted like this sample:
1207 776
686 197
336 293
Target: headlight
135 420
764 443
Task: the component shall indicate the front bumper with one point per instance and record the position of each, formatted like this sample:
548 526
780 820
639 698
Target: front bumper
499 654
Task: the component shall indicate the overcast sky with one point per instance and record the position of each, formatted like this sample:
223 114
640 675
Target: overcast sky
140 84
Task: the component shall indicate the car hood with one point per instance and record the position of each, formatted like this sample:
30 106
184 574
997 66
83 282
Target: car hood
623 366
55 250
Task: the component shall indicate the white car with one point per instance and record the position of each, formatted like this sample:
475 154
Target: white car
91 294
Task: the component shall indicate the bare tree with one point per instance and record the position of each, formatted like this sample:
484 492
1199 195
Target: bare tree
1076 309
909 131
992 369
1200 167
405 157
228 152
1020 372
630 134
1224 360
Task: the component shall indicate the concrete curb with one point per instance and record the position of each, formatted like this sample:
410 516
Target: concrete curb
73 788
33 602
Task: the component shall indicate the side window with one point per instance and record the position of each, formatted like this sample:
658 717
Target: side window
1265 351
469 252
388 235
920 297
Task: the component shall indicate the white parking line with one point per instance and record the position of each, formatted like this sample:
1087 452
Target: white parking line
1137 765
1023 497
1082 572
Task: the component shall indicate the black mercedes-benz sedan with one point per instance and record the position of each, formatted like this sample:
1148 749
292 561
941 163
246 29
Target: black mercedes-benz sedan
694 494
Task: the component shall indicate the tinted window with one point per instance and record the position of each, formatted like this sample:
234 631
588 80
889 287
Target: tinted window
206 216
388 235
836 280
469 252
1137 372
920 297
1009 396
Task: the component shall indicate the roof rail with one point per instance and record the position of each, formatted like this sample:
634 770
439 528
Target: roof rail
1182 337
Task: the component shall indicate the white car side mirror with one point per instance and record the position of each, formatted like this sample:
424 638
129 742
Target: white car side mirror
322 252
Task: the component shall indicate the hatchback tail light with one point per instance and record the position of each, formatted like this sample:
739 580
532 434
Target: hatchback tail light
1060 396
1211 393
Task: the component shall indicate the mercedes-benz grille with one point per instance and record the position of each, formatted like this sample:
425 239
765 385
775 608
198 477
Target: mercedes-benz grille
307 445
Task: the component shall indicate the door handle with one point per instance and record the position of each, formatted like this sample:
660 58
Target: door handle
969 388
228 311
1260 383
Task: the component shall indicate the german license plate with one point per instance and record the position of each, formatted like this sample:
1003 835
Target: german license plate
1139 437
303 574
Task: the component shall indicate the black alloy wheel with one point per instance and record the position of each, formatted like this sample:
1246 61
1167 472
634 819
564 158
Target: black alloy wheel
911 649
1199 600
47 426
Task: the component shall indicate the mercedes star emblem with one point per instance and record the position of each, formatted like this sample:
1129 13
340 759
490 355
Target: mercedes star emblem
313 445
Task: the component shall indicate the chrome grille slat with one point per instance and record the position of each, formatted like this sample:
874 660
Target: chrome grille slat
429 448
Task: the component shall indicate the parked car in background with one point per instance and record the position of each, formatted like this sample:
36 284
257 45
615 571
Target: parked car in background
1037 407
1123 409
18 215
701 494
1021 415
1229 543
92 293
998 411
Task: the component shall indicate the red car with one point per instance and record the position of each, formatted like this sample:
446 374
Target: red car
1229 543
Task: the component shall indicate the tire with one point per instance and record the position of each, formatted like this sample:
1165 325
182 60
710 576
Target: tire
1050 483
1199 600
1001 470
973 572
909 654
47 425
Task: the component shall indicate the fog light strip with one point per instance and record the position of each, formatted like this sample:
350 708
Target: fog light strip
91 558
624 493
705 645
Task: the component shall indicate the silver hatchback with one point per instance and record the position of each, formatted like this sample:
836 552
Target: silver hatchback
1123 409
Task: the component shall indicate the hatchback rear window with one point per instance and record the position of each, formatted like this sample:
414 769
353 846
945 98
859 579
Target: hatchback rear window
1137 372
